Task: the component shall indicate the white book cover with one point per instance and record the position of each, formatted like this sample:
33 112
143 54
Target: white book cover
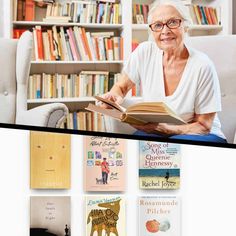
159 216
50 215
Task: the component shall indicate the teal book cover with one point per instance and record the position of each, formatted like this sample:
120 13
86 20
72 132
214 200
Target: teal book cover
159 165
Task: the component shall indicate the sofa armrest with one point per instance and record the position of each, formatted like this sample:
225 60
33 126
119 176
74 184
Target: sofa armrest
49 115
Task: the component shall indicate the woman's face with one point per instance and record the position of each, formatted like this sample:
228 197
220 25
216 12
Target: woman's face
168 39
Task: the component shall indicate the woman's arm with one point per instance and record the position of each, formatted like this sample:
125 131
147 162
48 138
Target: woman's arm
201 125
119 90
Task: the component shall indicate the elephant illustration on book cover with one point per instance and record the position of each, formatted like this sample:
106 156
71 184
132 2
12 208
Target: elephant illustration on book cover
105 217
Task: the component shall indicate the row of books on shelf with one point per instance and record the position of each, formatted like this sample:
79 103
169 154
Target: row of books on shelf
75 44
84 84
159 163
203 15
106 215
84 12
105 12
84 120
140 13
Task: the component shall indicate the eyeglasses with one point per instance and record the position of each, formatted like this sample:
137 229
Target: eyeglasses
171 24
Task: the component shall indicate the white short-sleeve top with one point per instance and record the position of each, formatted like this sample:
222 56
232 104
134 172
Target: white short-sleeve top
198 91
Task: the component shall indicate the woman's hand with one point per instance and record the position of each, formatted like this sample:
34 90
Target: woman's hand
112 97
119 90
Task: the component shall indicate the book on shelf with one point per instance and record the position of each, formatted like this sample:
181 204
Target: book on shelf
50 215
135 44
85 84
137 114
204 15
29 10
75 44
17 33
140 13
83 120
104 164
58 19
159 215
159 165
49 160
101 12
105 215
24 10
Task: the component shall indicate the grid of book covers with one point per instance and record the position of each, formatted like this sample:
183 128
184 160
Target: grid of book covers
105 195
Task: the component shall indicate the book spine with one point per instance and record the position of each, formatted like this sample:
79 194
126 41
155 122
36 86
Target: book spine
29 10
87 49
57 51
207 13
20 9
205 22
116 48
51 44
197 14
79 42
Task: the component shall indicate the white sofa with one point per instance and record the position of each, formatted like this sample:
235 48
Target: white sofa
15 57
222 51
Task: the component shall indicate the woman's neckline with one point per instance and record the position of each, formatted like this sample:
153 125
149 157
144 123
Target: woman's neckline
183 76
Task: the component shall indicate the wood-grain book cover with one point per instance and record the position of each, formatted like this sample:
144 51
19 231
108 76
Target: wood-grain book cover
105 215
104 164
159 165
50 216
159 216
50 157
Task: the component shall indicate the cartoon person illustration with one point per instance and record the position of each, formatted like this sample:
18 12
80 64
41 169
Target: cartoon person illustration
105 170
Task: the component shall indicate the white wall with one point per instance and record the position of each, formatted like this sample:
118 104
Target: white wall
1 18
207 188
5 18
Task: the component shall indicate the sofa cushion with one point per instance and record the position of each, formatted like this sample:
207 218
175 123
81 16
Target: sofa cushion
8 80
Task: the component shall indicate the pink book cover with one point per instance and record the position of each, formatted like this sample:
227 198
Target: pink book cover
72 44
104 164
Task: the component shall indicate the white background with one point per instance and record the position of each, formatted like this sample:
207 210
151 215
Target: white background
208 188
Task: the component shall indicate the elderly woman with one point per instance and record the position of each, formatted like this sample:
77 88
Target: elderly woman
170 71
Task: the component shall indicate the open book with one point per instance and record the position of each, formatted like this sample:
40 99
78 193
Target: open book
139 113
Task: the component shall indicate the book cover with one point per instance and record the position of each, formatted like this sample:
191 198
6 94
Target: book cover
49 160
159 216
50 216
104 163
159 165
105 215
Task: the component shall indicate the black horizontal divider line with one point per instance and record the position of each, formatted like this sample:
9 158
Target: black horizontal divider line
115 135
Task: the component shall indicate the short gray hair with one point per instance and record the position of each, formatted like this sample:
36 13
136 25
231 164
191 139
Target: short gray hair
177 4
